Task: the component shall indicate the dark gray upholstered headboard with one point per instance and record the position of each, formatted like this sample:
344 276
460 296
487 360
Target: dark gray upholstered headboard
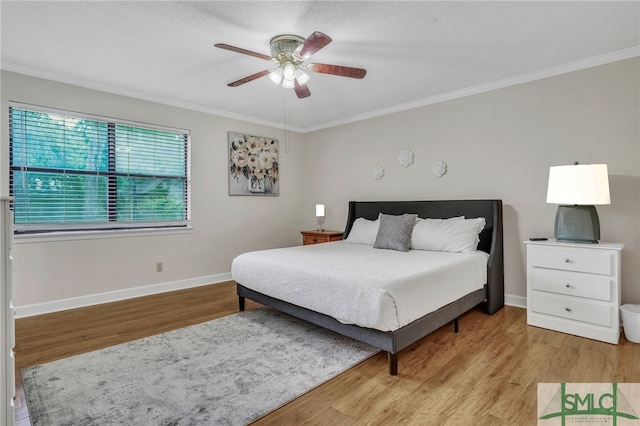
490 238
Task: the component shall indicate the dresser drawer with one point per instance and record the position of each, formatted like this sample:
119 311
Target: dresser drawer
573 308
576 284
571 259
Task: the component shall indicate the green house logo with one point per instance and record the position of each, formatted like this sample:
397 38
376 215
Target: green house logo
588 403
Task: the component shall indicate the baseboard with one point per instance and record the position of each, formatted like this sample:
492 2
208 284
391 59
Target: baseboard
113 296
517 301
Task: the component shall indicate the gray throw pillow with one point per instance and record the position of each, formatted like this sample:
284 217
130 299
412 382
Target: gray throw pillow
394 232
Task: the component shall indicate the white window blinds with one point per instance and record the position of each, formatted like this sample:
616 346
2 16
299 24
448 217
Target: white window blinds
79 172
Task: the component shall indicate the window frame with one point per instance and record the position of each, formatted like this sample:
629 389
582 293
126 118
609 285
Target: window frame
112 227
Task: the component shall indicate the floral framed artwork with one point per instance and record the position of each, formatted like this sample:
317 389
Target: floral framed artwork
253 165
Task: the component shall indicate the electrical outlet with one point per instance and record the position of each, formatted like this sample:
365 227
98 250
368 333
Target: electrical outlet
158 266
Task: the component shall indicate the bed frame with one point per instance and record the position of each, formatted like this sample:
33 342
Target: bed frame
492 295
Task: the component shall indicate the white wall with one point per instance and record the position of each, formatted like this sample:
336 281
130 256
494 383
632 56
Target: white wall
223 226
498 144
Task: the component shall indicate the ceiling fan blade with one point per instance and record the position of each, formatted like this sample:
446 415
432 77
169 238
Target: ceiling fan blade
241 50
338 70
311 45
302 91
249 78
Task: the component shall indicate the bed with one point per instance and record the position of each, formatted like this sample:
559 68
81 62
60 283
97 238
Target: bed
279 278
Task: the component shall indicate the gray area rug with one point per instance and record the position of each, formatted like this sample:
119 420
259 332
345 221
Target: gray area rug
229 371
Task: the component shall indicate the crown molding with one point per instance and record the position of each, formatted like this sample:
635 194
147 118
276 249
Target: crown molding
115 90
591 62
594 61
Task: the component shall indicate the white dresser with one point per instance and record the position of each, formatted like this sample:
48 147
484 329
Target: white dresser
575 288
7 315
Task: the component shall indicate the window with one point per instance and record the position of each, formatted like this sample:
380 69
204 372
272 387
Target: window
79 172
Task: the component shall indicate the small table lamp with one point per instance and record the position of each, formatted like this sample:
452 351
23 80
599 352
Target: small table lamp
320 216
578 188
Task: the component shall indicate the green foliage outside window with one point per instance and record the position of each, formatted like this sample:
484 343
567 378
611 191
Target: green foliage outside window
67 170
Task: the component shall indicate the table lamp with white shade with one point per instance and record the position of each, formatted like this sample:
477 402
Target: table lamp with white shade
320 216
578 189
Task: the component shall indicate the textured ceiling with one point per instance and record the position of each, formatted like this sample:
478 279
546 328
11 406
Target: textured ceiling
415 52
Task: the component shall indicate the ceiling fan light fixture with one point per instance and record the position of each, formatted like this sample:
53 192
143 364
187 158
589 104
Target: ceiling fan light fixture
302 77
288 75
289 71
276 75
288 83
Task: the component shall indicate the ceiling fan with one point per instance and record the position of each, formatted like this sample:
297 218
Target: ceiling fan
289 52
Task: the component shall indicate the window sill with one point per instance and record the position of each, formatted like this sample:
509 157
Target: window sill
46 237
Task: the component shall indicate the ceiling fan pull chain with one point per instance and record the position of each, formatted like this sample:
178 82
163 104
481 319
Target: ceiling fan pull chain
287 121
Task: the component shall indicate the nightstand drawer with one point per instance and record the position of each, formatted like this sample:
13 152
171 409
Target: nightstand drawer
572 283
571 259
573 308
315 239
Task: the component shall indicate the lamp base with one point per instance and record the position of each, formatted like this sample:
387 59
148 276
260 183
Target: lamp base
320 223
577 224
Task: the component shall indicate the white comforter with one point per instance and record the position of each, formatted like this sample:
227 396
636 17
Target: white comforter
357 284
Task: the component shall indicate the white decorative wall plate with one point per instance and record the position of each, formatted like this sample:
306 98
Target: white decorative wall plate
405 157
377 172
439 168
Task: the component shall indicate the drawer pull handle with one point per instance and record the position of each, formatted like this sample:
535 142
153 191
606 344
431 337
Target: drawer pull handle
567 309
567 260
315 240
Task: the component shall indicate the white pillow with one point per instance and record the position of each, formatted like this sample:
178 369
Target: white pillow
363 231
456 234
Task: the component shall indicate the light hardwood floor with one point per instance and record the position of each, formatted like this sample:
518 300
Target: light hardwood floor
486 374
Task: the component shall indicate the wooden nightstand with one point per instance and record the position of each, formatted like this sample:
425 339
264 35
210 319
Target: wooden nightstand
575 288
317 237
